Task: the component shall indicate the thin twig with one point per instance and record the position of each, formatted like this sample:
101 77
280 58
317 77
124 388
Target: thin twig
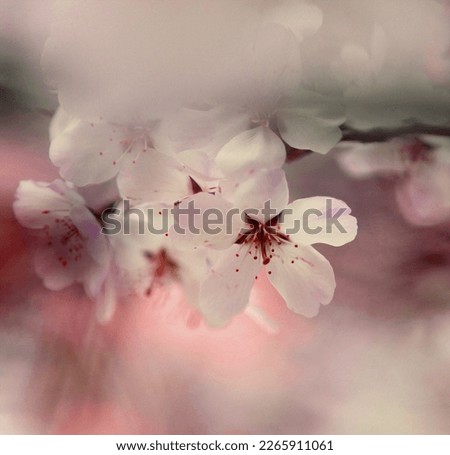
381 135
374 135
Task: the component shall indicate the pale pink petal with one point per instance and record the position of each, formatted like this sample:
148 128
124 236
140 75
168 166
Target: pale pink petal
49 269
319 220
305 132
200 162
60 121
107 300
265 186
100 196
191 278
96 243
93 277
38 202
250 151
213 223
226 291
156 177
303 277
73 253
131 268
67 191
200 130
88 153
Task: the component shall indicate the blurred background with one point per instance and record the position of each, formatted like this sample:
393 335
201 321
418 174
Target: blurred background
376 360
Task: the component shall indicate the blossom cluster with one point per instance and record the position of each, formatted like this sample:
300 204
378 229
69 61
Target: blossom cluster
221 158
159 116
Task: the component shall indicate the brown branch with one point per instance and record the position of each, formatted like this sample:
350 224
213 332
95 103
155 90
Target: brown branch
374 135
382 135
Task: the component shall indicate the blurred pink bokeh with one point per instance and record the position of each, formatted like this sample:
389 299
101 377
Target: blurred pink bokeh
376 360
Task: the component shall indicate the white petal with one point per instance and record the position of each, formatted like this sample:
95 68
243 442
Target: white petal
265 186
132 269
49 269
319 220
213 224
250 151
307 133
207 130
60 121
90 229
87 153
107 301
156 177
191 278
59 266
200 162
226 291
364 160
38 202
306 283
100 196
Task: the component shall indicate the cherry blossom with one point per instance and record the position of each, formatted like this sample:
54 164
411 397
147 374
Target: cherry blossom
92 152
72 248
230 142
422 166
310 121
145 265
160 179
302 276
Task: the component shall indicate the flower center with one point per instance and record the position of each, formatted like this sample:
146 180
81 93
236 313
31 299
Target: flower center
136 140
262 238
66 239
164 267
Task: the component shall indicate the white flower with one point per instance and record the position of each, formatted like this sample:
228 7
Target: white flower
301 275
72 248
228 142
422 166
176 279
195 136
92 152
147 265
